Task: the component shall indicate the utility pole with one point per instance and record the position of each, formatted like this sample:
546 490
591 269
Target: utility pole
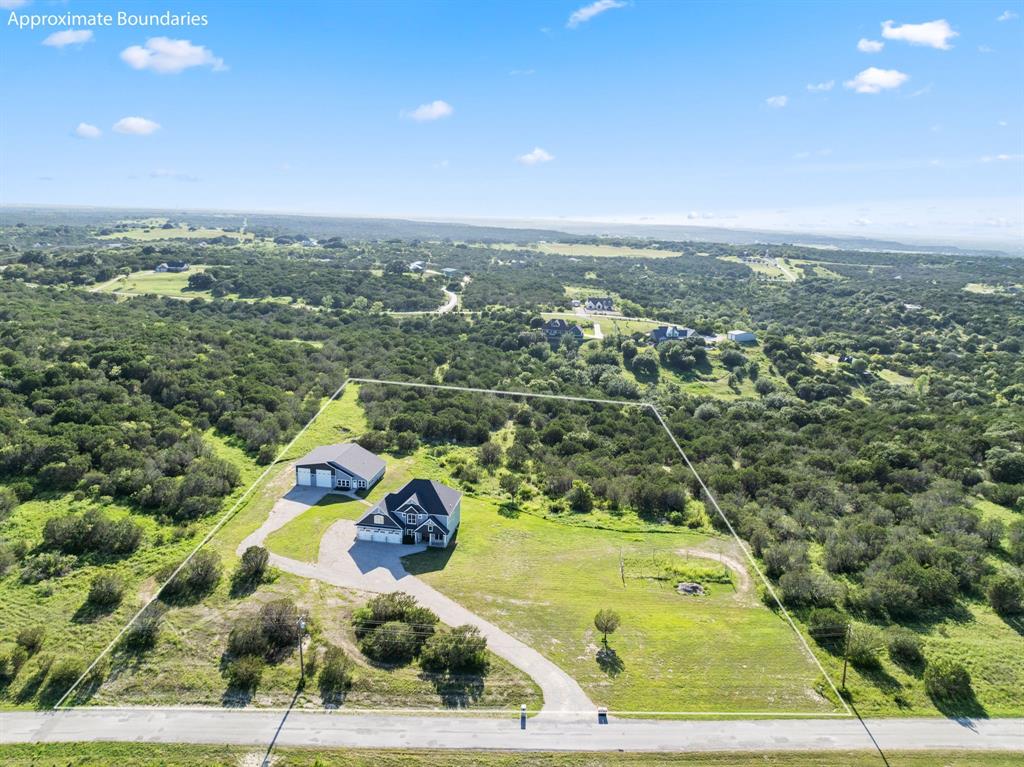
302 661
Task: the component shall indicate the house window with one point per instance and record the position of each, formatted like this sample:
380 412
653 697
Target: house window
378 519
411 518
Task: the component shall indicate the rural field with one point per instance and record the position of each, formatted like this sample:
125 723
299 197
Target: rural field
151 754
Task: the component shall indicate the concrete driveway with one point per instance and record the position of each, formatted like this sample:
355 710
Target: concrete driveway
377 567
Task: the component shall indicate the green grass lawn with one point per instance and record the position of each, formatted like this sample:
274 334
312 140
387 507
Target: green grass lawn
543 582
300 538
156 283
172 755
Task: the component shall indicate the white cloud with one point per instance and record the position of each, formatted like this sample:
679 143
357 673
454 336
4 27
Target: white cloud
167 56
935 34
1002 123
1006 16
136 126
435 110
12 4
587 12
85 130
875 80
68 37
869 46
986 49
820 87
1002 157
777 101
862 222
535 157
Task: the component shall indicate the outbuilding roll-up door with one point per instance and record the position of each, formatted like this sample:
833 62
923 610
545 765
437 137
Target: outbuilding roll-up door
323 478
303 477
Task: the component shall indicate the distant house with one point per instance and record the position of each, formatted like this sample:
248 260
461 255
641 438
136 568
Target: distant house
742 337
345 466
424 511
449 271
172 266
556 328
417 266
671 333
598 305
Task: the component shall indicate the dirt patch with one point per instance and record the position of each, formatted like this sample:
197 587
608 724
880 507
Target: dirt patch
744 583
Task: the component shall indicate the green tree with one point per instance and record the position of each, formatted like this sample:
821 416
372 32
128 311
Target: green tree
606 621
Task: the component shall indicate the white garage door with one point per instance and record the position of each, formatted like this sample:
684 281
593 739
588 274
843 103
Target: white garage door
323 478
364 535
303 477
380 537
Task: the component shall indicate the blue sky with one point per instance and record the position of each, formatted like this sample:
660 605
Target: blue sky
694 113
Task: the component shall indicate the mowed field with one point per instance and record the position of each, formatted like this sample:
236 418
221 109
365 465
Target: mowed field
155 283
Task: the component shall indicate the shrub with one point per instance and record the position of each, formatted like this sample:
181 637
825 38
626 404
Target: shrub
827 626
246 638
91 533
253 565
143 633
1006 594
105 590
47 564
279 623
805 588
197 578
391 642
462 648
946 679
64 673
8 501
31 638
335 672
863 646
904 646
244 673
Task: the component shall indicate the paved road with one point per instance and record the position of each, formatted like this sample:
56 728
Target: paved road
377 567
304 728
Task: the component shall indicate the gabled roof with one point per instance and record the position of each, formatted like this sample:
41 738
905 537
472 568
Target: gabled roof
434 498
348 456
665 332
388 521
433 521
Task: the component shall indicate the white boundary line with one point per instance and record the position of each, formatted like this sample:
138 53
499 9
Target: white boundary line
206 539
508 393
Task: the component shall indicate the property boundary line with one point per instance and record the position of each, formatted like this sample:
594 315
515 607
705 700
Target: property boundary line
508 393
206 539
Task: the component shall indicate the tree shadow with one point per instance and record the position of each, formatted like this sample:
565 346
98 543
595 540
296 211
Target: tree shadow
609 661
1016 622
457 690
965 707
89 612
243 587
31 686
881 679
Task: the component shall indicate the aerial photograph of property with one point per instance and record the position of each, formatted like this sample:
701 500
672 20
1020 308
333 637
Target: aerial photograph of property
479 383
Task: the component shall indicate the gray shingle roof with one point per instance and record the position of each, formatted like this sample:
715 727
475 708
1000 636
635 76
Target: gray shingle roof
347 455
435 499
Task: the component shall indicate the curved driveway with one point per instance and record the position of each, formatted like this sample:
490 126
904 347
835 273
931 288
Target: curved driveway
377 567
